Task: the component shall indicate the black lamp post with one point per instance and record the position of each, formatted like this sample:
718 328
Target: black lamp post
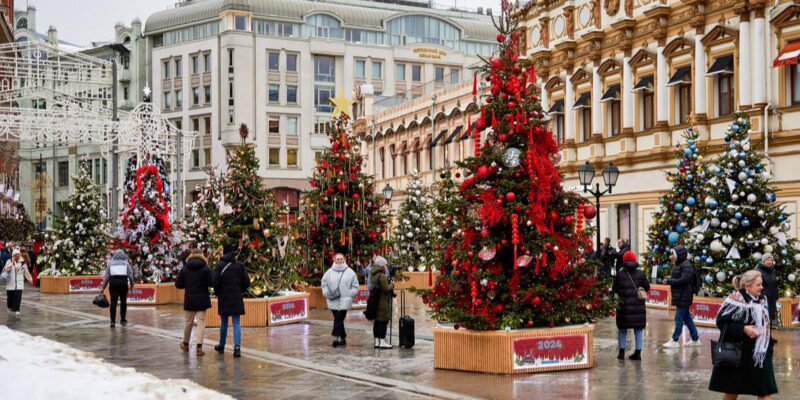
586 175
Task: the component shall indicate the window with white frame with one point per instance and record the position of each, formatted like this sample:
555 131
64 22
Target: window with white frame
274 92
291 126
274 157
377 70
360 69
273 61
291 94
274 125
400 72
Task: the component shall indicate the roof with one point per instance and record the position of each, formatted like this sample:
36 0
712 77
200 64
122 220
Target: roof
353 13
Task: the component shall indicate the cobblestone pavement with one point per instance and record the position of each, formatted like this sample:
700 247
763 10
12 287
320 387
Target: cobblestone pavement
297 361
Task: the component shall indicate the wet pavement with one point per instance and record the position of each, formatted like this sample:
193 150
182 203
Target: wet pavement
297 361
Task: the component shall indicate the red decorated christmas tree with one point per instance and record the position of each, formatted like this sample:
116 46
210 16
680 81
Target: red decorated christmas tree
517 259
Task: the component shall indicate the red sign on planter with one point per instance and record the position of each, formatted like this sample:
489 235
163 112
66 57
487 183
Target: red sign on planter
795 314
551 351
361 298
704 312
288 310
85 284
142 295
658 296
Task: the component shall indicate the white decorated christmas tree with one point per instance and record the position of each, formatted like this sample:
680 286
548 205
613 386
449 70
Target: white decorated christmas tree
202 218
416 233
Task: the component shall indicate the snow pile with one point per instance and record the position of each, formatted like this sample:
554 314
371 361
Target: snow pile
37 368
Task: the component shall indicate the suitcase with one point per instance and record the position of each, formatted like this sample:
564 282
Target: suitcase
406 324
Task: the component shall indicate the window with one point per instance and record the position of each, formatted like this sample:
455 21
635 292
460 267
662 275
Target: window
207 92
454 75
195 64
178 68
230 57
178 99
207 62
274 125
614 110
97 171
586 116
240 23
291 94
231 117
323 26
400 72
167 102
291 63
794 82
439 75
165 68
230 93
684 102
418 159
196 158
725 96
274 157
416 73
196 124
558 121
207 154
317 156
195 96
324 69
321 126
321 96
207 130
381 154
125 92
360 66
291 157
377 70
273 59
647 109
291 126
412 29
63 173
274 89
624 221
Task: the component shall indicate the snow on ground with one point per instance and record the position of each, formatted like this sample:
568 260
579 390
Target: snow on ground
32 367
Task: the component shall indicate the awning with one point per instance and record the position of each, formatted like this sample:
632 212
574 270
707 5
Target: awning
466 132
646 83
438 138
414 145
583 101
402 149
611 94
557 108
722 65
682 75
788 56
453 135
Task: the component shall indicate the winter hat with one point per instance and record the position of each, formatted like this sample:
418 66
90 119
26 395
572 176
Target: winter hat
629 256
380 261
15 252
228 248
766 257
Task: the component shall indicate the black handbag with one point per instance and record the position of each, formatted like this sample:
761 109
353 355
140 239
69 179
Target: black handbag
101 301
725 354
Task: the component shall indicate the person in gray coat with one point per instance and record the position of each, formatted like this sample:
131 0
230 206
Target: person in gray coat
118 279
340 287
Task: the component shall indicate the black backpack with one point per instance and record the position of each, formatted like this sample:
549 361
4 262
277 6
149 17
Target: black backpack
697 282
372 303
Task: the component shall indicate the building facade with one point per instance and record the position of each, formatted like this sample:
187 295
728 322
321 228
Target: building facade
272 65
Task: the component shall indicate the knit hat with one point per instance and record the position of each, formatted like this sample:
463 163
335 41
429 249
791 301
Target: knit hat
15 252
766 257
380 261
629 256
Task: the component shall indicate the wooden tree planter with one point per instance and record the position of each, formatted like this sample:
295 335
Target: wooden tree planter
318 301
659 296
149 294
416 280
514 352
790 311
70 284
704 310
263 312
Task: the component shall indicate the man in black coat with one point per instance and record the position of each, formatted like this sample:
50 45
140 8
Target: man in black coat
631 310
680 283
195 278
623 247
230 282
606 257
770 282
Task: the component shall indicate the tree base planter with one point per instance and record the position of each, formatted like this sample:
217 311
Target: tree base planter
790 311
285 309
70 284
149 294
514 352
416 280
318 301
659 296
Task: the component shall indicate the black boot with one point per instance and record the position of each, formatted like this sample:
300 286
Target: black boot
621 355
336 341
219 349
637 355
237 352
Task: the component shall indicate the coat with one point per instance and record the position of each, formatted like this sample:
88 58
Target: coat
17 274
230 286
117 266
195 278
379 279
347 282
770 282
619 254
747 378
681 280
631 312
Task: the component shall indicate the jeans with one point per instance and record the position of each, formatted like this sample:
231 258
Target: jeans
13 299
338 323
682 317
379 329
191 317
223 330
119 292
637 335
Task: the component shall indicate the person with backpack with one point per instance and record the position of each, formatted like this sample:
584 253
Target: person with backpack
118 279
683 283
230 282
195 278
381 284
631 286
340 287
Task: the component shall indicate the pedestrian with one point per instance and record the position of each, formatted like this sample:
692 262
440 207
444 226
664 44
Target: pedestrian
367 272
631 310
379 277
622 247
195 278
340 287
680 283
118 278
230 282
5 253
605 254
744 318
17 275
770 283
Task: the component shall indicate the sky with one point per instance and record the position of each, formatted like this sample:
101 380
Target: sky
84 21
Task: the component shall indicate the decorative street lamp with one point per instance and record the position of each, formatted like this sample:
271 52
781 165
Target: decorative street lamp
387 193
586 175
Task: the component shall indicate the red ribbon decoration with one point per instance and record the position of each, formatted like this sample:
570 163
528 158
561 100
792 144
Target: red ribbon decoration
475 84
162 214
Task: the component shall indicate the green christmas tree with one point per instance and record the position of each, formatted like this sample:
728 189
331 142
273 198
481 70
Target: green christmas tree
77 245
343 213
516 259
741 219
250 221
673 221
200 224
416 233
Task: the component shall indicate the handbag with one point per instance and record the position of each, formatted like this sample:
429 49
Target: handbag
336 294
101 301
725 354
641 294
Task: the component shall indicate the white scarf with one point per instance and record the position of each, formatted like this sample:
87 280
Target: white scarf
756 311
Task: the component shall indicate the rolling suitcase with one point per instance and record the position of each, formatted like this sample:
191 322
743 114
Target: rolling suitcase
406 324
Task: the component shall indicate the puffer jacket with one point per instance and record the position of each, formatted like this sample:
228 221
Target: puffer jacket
118 268
379 279
631 312
681 279
231 285
347 282
195 278
17 274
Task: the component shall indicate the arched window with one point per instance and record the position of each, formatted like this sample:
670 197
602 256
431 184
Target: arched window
324 26
422 29
22 23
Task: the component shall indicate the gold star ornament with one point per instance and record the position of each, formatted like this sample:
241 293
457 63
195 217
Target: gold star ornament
341 104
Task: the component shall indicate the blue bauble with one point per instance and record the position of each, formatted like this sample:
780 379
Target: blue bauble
746 223
735 127
771 197
690 201
712 205
709 261
689 178
680 190
655 247
666 232
687 151
781 218
673 237
679 207
738 215
679 228
709 279
717 170
727 138
784 252
691 142
703 258
694 156
732 146
742 155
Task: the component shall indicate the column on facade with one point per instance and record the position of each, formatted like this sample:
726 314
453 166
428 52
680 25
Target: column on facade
744 59
597 93
759 76
662 115
569 114
545 98
699 76
627 95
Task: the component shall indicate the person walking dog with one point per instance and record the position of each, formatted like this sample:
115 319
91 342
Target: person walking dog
340 287
118 278
631 286
195 278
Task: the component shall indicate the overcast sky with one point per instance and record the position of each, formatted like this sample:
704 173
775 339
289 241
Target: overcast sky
84 21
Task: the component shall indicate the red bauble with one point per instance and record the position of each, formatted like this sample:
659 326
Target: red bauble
470 254
502 137
456 326
553 215
510 196
500 38
483 171
341 187
536 301
484 233
458 174
589 212
512 104
568 220
329 191
497 63
356 195
530 323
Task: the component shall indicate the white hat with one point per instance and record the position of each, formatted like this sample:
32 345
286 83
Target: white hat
15 252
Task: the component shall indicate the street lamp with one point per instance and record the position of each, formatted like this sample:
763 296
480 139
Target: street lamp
387 193
586 175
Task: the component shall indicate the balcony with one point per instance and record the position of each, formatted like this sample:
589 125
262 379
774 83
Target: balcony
126 75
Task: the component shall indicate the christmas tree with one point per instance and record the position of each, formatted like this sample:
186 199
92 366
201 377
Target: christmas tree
250 221
673 221
416 233
446 203
201 222
146 231
77 245
741 219
516 259
343 213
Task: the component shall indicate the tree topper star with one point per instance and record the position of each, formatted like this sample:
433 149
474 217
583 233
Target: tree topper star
342 104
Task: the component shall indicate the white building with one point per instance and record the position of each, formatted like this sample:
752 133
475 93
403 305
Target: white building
273 65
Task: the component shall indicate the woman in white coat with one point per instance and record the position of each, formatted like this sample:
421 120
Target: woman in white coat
340 287
17 275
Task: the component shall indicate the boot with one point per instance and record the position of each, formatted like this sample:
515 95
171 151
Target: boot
621 355
200 351
124 322
383 344
237 352
185 347
342 342
113 324
336 341
219 349
637 355
377 342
